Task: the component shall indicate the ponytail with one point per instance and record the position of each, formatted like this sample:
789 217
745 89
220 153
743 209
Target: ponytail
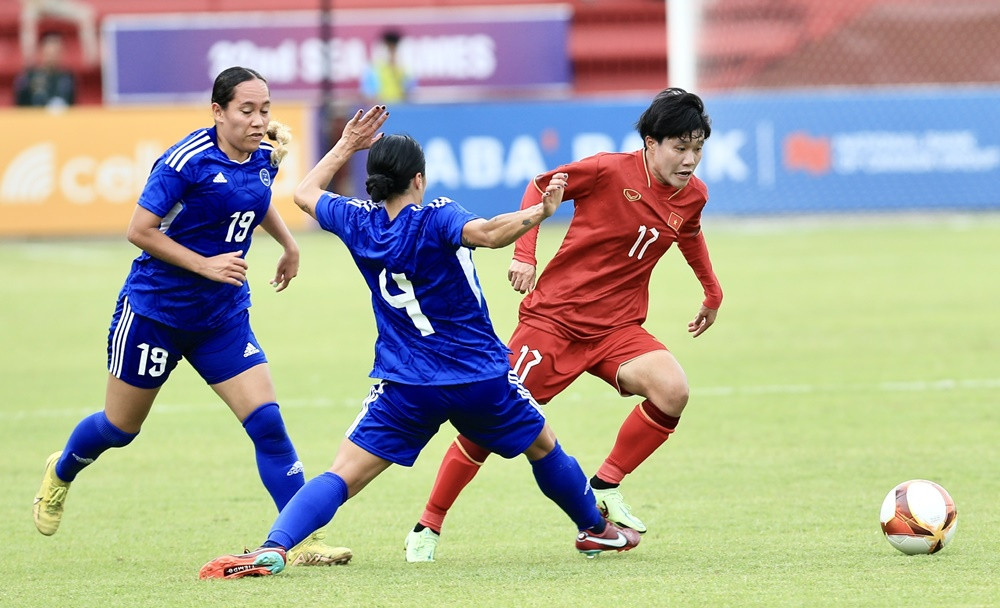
281 134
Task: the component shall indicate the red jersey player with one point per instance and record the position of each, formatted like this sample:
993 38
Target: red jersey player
586 313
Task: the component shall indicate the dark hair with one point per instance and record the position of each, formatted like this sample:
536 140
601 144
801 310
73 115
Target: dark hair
392 162
674 113
224 88
391 37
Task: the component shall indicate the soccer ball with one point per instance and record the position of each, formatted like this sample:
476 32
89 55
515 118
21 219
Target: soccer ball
918 517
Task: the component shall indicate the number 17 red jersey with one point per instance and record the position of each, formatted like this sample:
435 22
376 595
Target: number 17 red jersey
624 220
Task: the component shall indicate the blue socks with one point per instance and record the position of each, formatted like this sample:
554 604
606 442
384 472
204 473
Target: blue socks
92 437
561 479
312 508
277 462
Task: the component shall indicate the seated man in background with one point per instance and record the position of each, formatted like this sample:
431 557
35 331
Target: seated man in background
49 83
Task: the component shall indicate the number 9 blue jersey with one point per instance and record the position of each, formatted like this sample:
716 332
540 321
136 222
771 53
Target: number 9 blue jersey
433 324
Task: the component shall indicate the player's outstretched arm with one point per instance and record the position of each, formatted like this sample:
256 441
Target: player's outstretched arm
502 230
360 132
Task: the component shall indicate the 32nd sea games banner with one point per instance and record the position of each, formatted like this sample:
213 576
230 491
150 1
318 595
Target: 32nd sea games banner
452 53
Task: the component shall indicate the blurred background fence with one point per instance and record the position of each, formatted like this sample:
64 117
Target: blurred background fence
818 107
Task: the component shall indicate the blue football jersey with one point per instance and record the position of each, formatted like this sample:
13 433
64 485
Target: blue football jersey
433 323
211 205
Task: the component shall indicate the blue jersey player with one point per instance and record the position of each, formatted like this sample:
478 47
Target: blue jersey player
186 296
437 356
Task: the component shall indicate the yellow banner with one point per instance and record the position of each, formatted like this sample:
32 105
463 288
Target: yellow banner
80 171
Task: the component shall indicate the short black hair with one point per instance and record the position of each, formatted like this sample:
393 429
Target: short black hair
391 37
674 113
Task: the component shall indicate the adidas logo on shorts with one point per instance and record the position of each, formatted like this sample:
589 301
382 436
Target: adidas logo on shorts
250 350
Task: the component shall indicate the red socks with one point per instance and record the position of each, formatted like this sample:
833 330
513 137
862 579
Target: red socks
460 464
644 430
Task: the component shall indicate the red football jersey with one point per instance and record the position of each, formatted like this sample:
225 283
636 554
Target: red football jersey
624 220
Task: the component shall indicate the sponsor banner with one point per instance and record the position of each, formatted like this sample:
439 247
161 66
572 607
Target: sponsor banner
454 51
768 153
80 172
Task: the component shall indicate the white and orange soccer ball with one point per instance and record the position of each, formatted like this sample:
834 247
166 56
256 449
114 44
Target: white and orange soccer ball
918 517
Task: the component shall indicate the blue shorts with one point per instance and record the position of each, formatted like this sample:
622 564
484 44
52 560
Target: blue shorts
397 420
142 352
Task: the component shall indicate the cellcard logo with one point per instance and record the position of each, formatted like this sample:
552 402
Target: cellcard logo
38 174
30 178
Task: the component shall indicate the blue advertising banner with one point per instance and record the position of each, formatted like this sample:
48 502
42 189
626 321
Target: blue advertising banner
458 51
768 153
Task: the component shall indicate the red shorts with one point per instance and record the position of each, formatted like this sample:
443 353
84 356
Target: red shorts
547 363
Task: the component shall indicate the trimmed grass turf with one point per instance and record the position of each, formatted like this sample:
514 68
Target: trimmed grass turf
848 356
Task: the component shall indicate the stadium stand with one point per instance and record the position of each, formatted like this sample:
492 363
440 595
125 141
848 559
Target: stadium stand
621 45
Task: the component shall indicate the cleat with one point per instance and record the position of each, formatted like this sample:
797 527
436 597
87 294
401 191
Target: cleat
314 552
612 506
613 538
50 499
262 562
420 546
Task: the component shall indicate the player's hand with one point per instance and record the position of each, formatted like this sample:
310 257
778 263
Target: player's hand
360 131
228 268
702 321
553 195
288 269
521 276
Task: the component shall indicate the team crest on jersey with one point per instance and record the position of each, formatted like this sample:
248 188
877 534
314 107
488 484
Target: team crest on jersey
631 195
265 177
675 221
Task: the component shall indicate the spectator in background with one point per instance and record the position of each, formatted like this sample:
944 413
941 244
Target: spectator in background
49 83
386 80
80 13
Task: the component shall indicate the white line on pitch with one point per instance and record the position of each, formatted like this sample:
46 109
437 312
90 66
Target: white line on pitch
946 384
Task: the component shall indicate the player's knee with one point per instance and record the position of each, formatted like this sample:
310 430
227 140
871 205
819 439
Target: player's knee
669 397
543 444
267 429
115 436
678 395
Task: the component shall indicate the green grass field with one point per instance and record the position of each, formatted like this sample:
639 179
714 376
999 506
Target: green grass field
848 356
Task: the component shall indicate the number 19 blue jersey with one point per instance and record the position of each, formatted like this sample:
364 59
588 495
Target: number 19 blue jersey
209 204
433 324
